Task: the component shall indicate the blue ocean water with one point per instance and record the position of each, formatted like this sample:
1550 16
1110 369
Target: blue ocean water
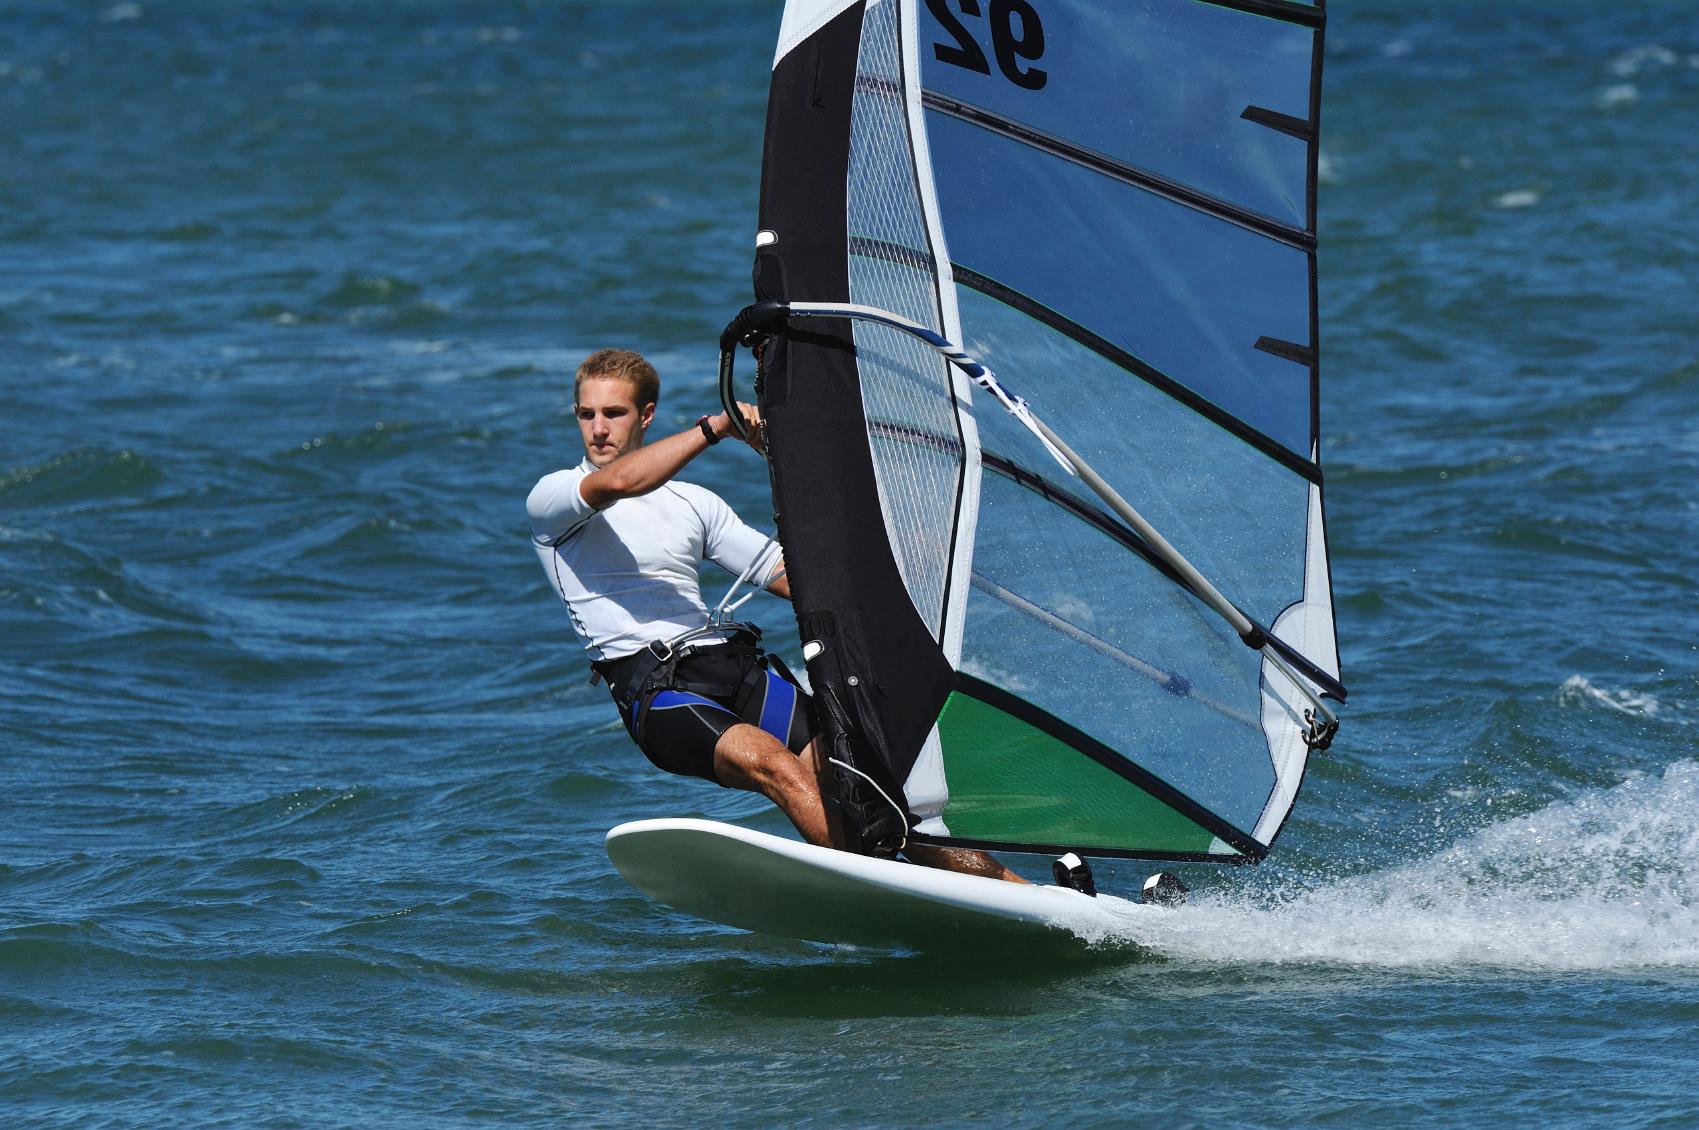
302 788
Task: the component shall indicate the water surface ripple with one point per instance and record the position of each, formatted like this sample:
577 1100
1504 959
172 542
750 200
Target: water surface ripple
304 789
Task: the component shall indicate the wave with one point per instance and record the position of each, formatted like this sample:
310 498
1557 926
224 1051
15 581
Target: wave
1650 56
1578 691
81 475
58 591
1606 881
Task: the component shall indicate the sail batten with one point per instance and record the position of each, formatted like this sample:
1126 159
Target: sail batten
1110 204
991 288
1120 170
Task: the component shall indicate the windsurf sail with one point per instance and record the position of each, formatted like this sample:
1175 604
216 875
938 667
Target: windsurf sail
1037 285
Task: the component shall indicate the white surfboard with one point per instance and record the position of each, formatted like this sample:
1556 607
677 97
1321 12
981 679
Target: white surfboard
772 885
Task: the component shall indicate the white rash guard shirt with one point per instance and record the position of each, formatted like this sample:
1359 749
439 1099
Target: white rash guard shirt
629 574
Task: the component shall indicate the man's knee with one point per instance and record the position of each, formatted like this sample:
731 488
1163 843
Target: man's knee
748 757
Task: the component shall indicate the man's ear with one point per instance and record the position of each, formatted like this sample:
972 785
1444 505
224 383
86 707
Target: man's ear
648 414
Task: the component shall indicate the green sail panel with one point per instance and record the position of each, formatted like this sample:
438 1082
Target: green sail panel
1013 783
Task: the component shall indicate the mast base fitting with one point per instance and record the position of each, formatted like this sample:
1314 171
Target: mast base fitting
1163 889
1074 873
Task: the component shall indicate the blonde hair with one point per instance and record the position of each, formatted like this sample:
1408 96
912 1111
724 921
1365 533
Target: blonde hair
621 364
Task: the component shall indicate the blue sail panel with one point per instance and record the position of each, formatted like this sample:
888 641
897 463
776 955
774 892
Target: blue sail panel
1126 193
1185 292
1117 651
1141 82
1240 515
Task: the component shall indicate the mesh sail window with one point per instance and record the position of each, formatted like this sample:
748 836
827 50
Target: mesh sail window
1112 206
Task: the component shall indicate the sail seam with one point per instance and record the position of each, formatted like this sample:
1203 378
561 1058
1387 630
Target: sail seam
1081 849
1151 182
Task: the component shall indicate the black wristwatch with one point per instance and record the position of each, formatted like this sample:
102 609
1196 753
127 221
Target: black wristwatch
708 431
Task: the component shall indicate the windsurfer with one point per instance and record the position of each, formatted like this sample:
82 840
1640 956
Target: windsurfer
622 543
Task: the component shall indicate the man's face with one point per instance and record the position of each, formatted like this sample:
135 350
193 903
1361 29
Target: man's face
610 419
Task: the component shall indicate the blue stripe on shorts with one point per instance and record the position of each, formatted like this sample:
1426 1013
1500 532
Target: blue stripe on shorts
777 708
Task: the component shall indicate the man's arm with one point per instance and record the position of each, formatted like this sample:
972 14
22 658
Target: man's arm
654 464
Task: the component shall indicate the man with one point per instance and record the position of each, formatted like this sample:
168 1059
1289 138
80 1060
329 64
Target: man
621 543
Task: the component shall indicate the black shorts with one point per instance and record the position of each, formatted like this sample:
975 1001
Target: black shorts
678 729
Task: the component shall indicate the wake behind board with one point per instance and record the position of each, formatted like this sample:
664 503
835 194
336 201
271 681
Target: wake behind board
771 885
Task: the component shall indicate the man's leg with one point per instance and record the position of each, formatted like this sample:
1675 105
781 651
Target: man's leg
747 757
813 758
968 861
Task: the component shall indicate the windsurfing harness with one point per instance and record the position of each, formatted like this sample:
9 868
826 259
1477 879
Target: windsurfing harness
656 666
677 700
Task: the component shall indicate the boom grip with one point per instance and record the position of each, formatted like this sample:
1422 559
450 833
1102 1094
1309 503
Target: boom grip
754 319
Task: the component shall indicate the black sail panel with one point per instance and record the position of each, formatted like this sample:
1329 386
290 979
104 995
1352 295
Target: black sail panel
873 658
